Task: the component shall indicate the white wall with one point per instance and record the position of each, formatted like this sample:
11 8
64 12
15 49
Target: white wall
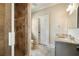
35 27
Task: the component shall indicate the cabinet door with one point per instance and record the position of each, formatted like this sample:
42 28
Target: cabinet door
65 49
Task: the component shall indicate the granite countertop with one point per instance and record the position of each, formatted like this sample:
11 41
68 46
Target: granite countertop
67 40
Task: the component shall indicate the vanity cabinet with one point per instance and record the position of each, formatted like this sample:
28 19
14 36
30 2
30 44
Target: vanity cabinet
65 49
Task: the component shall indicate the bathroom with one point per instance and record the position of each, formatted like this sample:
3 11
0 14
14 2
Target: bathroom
55 28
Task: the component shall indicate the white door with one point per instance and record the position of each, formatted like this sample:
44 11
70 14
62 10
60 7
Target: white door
44 30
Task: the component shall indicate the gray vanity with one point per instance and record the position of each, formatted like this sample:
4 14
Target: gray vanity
66 49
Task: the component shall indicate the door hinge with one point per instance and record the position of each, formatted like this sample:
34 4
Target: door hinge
11 38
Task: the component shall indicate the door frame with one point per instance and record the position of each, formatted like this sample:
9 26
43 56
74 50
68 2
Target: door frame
28 41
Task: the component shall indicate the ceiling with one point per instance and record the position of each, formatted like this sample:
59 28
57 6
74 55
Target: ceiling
39 6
